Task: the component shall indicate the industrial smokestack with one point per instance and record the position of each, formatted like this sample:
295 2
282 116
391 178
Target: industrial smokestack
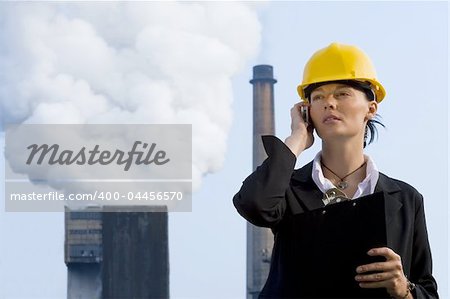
260 240
118 252
135 252
263 111
83 252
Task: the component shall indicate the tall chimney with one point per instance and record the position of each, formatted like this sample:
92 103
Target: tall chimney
260 240
117 252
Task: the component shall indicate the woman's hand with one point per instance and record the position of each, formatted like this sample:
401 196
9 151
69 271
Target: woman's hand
301 133
389 274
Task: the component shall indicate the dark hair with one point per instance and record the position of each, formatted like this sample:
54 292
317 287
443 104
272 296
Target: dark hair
372 129
364 87
371 123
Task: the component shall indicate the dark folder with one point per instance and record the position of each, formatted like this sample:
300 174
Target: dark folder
323 248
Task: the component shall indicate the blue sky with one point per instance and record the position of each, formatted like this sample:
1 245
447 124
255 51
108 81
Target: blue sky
408 43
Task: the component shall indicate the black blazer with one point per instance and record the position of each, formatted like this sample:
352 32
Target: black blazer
275 192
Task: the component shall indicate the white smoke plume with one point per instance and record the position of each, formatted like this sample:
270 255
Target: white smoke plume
127 62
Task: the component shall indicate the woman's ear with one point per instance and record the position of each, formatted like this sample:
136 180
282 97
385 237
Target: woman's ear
373 107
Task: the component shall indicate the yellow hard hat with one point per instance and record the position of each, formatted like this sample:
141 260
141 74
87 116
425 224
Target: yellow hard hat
340 62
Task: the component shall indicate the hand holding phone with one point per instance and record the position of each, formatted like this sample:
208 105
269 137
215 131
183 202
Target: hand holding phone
302 136
304 110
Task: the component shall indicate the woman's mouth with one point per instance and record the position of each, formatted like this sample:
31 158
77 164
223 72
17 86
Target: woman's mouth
331 119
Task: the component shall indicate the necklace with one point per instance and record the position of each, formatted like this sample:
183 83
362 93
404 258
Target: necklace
343 184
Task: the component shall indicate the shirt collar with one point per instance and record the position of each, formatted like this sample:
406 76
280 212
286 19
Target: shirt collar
366 187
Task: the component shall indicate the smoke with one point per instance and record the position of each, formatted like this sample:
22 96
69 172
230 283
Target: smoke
127 63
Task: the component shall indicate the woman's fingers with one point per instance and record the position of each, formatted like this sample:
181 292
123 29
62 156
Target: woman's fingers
388 253
301 136
374 285
392 260
379 276
388 274
296 116
380 266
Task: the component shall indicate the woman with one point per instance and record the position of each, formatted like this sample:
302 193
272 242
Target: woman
341 92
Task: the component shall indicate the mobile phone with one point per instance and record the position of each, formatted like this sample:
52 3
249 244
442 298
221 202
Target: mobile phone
304 110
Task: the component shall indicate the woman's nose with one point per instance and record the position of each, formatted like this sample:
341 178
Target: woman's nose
330 102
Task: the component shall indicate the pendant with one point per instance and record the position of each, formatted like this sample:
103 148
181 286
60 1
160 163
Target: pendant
334 195
342 185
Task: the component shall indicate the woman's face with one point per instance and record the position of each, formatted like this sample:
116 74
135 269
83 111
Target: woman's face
340 111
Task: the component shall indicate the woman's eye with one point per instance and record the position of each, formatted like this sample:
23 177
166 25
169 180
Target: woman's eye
343 94
317 97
